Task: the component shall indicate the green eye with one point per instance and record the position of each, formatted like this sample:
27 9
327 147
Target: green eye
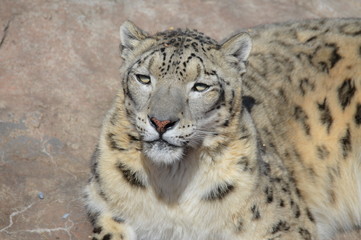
200 87
144 79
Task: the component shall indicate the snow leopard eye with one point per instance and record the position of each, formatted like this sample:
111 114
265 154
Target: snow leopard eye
144 79
200 87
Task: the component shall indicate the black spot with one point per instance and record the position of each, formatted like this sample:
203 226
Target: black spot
311 39
130 175
345 142
97 230
296 210
325 114
281 226
325 57
255 212
265 168
276 179
323 66
102 195
248 102
244 163
282 203
114 118
352 29
219 192
226 123
305 234
94 238
269 194
302 117
345 92
133 138
322 152
107 237
113 142
306 85
335 57
358 114
272 145
309 215
93 217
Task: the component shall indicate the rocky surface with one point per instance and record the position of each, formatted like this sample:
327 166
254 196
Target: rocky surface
59 64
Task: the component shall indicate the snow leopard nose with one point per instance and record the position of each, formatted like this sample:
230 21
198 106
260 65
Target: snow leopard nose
162 125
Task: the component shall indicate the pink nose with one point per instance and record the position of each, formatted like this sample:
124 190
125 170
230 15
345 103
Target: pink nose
161 126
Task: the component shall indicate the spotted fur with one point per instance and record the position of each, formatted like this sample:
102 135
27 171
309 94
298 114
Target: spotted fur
210 140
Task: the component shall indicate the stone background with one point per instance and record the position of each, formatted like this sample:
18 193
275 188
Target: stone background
59 64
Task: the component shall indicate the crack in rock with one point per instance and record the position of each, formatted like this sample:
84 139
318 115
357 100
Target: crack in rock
13 215
66 229
5 32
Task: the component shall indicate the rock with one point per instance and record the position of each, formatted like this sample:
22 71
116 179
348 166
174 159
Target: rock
59 64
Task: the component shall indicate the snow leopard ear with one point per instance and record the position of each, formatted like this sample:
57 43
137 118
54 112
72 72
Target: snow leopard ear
130 37
237 48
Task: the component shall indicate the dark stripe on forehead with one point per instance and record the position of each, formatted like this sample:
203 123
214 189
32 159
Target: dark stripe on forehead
192 55
151 61
198 71
143 58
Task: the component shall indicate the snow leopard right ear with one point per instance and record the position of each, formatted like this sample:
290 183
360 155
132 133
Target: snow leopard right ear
238 47
130 37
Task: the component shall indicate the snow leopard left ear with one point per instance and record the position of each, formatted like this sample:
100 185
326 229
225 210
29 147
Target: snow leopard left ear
237 48
130 36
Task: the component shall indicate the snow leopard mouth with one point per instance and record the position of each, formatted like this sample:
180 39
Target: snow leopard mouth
161 144
161 151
